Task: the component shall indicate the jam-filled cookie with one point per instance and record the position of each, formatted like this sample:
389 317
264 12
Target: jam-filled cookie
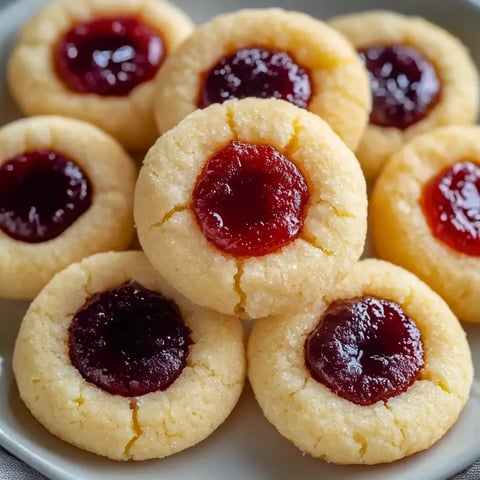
267 53
421 78
251 207
66 192
380 371
113 360
96 60
425 214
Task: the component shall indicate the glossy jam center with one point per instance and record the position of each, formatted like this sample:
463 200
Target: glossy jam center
256 72
404 85
129 341
451 205
250 199
365 350
108 56
42 193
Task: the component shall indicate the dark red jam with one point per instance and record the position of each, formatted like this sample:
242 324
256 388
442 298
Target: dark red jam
108 56
365 350
404 85
250 199
129 341
256 72
451 205
42 193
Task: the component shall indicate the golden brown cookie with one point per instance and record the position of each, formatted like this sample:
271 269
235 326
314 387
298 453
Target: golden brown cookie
111 359
96 60
251 207
425 214
422 77
379 371
267 53
66 192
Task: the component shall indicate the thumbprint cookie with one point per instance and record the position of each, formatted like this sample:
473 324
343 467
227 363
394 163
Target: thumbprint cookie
251 207
381 370
114 361
425 214
66 192
96 60
267 53
421 77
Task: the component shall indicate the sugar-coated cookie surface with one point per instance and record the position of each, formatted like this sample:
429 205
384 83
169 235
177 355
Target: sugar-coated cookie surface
329 427
458 102
125 428
289 279
38 89
399 227
340 91
106 225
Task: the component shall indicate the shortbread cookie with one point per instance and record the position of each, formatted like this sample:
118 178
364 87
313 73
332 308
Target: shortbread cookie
425 214
267 53
113 360
66 192
421 78
379 371
96 60
251 207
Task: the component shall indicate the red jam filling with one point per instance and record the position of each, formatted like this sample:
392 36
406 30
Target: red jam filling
250 200
404 85
42 193
129 341
108 56
451 205
256 72
365 350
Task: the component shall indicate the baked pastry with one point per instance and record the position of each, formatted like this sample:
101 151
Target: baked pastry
421 77
113 360
66 192
267 53
96 60
425 214
379 371
251 207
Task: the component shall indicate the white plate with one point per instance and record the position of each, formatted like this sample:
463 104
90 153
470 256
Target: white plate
246 446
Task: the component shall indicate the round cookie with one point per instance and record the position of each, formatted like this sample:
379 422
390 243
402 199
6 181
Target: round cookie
296 58
66 192
122 426
329 426
403 229
56 67
223 254
436 83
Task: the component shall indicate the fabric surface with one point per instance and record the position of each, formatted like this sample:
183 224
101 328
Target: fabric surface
13 469
472 473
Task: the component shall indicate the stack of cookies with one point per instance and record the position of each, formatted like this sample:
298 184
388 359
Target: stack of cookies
250 205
